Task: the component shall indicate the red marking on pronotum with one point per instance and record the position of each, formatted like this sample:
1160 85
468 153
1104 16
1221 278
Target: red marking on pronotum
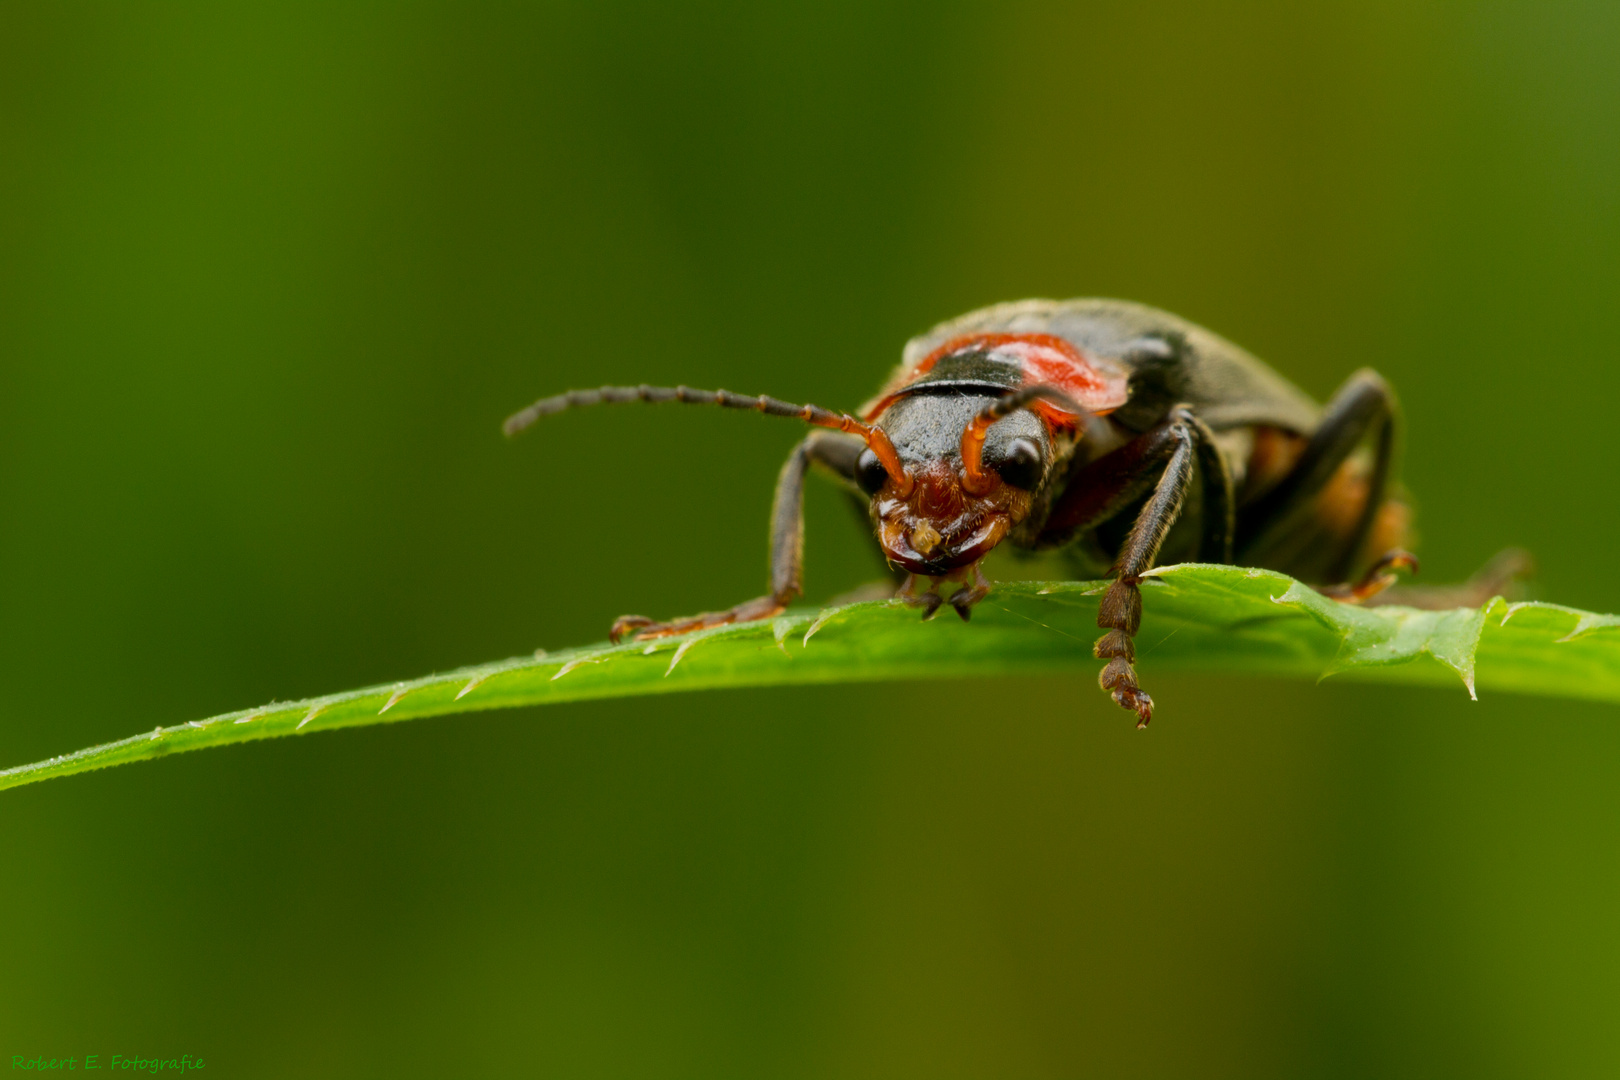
1043 359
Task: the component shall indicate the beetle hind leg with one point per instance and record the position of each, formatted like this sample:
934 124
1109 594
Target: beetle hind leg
1506 575
1379 576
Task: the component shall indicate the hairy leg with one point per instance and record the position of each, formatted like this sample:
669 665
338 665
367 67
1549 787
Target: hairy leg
1379 577
1363 407
837 453
1504 575
1163 458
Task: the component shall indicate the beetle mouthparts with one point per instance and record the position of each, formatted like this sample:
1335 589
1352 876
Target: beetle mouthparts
924 539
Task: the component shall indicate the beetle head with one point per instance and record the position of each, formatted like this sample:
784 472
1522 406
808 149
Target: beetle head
956 510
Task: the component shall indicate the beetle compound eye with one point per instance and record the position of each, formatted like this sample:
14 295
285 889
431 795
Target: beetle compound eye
1021 465
870 473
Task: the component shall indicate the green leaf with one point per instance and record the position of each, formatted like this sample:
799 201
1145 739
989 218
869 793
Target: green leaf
1209 618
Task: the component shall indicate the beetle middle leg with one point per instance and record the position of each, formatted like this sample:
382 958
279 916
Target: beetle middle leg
1163 458
835 452
1363 407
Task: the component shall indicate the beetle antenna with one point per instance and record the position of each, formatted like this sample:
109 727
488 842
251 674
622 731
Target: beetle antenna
814 415
974 479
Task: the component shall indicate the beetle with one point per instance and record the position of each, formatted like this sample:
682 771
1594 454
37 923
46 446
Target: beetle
1113 430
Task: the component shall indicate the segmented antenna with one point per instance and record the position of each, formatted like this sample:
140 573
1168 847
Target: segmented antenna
814 415
974 479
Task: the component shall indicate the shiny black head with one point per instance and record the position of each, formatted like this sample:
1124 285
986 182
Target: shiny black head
945 522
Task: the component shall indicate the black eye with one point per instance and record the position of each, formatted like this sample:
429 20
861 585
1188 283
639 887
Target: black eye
1020 466
870 473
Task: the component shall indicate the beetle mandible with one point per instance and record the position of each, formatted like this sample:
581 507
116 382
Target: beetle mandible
1109 428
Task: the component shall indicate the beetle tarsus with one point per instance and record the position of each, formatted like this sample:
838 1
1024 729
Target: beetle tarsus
1120 613
1380 576
1121 607
642 628
626 624
968 595
1132 698
1119 679
1115 644
1118 676
928 601
1504 575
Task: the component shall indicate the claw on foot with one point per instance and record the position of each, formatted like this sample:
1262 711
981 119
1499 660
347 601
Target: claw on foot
627 624
968 595
962 600
1119 675
1119 679
1380 576
1138 702
929 601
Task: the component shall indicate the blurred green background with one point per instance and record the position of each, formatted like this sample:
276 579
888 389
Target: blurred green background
271 276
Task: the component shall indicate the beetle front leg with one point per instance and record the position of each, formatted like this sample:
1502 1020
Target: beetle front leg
1120 612
968 595
833 451
642 628
1102 488
929 600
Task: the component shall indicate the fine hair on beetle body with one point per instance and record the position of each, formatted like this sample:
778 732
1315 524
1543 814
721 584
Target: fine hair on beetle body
1111 430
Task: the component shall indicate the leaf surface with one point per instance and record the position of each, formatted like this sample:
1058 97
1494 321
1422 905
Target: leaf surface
1196 617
